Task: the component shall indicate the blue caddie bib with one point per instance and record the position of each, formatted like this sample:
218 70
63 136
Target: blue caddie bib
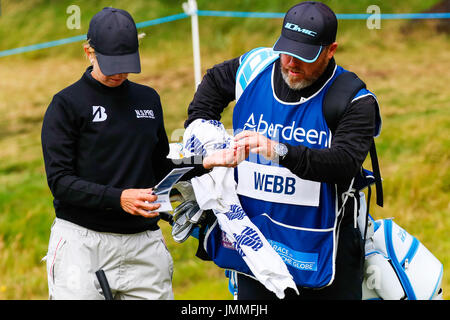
298 217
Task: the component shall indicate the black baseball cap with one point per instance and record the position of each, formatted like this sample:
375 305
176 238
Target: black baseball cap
307 27
113 34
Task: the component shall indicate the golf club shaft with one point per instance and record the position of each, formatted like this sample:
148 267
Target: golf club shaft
104 284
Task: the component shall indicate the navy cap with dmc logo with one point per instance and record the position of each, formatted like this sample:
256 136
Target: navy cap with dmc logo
113 34
307 27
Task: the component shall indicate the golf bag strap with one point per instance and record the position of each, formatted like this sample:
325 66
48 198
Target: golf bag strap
204 226
376 172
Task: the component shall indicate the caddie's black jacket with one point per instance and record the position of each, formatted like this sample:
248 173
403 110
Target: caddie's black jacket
98 141
350 142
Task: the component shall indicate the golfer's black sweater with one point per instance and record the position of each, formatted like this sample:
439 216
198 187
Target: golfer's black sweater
98 141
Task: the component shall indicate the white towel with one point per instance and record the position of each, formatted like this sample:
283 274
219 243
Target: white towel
217 191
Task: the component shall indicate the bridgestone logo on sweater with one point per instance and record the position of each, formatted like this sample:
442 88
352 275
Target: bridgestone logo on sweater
99 114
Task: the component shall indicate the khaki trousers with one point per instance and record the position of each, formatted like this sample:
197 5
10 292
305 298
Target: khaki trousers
137 266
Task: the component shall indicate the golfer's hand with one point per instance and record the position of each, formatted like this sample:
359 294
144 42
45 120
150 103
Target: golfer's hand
256 143
138 202
225 158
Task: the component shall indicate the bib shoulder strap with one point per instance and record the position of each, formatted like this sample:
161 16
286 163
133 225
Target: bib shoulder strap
338 97
252 64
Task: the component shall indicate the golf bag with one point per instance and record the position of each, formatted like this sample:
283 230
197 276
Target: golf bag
397 265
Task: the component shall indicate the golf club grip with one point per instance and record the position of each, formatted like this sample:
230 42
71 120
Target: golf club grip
104 284
166 217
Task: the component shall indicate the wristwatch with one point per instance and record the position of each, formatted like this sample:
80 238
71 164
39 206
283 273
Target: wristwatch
280 150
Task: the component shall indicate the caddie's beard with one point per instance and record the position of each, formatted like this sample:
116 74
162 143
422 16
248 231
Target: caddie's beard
295 84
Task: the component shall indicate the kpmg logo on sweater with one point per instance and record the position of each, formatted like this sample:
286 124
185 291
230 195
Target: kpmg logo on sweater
149 114
289 132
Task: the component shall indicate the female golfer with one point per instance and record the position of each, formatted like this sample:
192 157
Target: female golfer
104 145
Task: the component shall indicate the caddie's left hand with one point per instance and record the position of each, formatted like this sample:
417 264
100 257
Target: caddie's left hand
256 143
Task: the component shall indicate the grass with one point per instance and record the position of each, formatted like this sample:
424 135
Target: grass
407 72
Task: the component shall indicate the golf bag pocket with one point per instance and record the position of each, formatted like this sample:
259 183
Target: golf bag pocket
309 258
308 253
399 266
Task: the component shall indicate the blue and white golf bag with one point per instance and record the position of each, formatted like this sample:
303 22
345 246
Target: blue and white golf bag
397 265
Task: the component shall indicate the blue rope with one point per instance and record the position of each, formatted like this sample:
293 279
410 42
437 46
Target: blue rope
42 45
395 16
83 37
236 14
161 20
342 16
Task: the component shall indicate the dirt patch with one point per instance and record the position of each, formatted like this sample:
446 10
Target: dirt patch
440 25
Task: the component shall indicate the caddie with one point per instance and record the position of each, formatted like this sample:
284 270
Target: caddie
297 184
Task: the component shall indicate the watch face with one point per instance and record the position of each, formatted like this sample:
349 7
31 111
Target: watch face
281 149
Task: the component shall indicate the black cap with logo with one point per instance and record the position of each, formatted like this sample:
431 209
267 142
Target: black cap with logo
113 34
307 27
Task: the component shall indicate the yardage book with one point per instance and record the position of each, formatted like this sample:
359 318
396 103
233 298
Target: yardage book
162 189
